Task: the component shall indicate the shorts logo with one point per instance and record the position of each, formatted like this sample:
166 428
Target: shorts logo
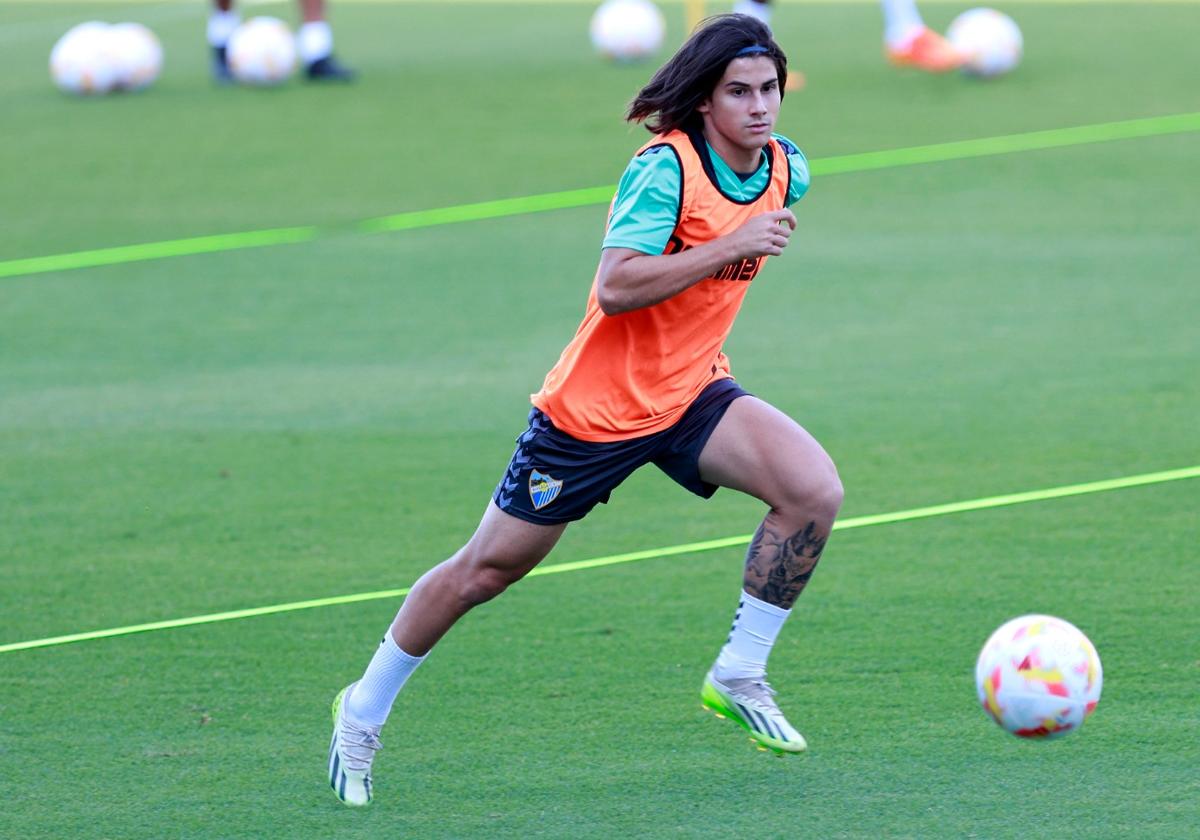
543 489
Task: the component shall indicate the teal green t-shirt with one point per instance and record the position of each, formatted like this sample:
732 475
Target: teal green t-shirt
647 204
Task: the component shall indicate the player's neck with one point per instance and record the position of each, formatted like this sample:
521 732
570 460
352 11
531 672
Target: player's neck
737 158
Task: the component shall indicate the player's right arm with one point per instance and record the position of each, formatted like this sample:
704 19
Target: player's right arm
629 279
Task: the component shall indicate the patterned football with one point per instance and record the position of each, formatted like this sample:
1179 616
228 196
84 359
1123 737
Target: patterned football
1038 677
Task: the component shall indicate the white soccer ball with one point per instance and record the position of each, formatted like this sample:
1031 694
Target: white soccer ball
627 30
990 40
137 53
1038 677
262 51
82 62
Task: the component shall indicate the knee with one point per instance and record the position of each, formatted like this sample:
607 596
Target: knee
481 577
815 493
834 493
481 584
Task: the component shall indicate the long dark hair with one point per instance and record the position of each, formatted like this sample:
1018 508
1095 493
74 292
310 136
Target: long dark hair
670 99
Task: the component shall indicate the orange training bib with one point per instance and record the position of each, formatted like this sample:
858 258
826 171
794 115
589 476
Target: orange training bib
633 374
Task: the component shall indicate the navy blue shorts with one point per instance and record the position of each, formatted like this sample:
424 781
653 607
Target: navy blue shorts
555 478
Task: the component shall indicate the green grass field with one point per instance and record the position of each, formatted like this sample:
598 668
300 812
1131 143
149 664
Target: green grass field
229 430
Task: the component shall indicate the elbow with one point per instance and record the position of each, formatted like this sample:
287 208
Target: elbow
610 300
619 283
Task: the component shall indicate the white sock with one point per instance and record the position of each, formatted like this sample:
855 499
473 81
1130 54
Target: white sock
221 26
754 8
901 22
314 41
373 696
751 638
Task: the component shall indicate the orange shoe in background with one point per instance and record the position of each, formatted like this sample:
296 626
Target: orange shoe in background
926 51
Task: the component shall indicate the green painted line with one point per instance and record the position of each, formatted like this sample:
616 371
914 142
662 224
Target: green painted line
490 209
157 250
632 556
590 196
1006 144
888 518
211 618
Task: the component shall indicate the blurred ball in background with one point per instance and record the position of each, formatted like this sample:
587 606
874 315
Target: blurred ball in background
81 62
137 53
989 39
262 52
627 30
95 58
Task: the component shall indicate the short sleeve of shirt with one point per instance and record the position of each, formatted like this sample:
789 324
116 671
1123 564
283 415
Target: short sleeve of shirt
799 166
646 209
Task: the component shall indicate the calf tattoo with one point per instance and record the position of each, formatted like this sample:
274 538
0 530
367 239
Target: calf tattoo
778 567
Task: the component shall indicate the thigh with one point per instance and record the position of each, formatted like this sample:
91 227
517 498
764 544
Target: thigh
678 452
758 449
502 541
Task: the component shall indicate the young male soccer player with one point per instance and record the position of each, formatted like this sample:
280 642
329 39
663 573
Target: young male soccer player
698 211
314 42
907 41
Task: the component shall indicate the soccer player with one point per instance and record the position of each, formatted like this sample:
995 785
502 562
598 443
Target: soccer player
907 41
697 213
314 42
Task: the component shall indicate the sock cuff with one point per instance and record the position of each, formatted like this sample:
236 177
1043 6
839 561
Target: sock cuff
749 600
900 36
314 41
398 652
221 26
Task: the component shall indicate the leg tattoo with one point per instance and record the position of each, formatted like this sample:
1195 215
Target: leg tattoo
778 567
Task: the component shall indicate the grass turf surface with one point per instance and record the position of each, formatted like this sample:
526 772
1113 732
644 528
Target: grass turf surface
230 430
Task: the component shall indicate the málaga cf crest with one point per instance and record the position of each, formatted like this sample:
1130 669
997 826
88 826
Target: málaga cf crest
543 489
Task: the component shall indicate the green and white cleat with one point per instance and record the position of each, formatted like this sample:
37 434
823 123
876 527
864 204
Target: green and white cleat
351 752
751 703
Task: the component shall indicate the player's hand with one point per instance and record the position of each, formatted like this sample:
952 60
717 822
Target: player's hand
764 235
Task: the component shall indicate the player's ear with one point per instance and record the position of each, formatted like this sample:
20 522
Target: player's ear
705 106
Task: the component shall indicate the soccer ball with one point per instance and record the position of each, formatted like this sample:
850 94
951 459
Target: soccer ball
1038 677
261 51
989 39
82 62
137 53
627 30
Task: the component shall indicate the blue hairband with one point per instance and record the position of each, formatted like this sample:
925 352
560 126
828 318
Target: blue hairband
754 50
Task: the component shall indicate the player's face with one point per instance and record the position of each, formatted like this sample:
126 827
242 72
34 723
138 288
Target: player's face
740 114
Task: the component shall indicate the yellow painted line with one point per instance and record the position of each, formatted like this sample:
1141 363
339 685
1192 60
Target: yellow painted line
633 556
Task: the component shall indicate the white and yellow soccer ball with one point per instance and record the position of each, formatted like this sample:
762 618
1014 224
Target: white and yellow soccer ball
990 40
137 53
81 62
1038 677
627 30
262 51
